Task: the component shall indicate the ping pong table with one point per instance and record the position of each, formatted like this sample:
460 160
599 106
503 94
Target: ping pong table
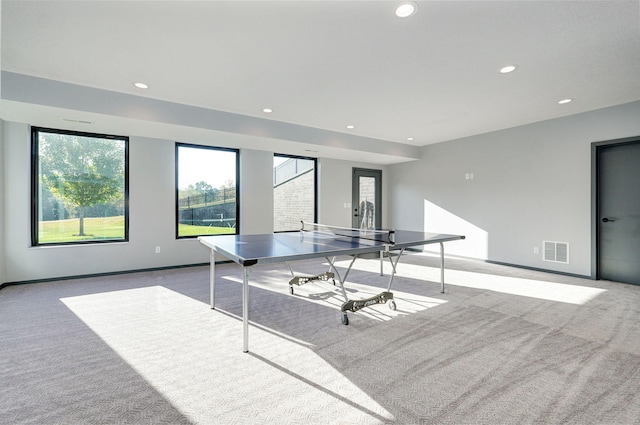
252 250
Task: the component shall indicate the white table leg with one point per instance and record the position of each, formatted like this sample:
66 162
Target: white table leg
212 278
441 268
245 309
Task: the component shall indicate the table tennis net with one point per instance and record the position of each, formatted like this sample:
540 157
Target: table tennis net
376 235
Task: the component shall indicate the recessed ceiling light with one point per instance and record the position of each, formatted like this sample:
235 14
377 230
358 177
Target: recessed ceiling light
409 139
351 127
141 85
563 101
406 9
507 69
267 110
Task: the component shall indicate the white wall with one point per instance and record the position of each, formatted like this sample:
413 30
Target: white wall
256 192
152 210
531 183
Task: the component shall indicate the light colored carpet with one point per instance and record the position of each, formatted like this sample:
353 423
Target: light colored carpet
501 346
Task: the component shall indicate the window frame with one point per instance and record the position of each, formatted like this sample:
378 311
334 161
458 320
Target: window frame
35 185
315 186
177 189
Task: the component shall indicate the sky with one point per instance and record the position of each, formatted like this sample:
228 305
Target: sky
195 165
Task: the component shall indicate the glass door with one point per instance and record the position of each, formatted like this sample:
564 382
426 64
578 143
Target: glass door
366 198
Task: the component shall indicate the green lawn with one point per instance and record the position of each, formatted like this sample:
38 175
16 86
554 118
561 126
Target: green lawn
188 230
95 228
103 228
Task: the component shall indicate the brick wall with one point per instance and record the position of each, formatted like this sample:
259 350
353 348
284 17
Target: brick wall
294 201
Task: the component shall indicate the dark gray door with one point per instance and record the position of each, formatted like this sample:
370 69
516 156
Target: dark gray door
366 197
619 213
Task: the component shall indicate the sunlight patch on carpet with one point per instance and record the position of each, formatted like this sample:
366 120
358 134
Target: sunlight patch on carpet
192 355
551 291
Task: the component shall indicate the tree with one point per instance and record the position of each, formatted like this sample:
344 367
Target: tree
203 186
82 171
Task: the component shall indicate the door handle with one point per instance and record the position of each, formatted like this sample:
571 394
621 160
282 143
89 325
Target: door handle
606 220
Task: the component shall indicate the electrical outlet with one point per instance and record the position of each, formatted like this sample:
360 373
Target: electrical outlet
157 250
536 250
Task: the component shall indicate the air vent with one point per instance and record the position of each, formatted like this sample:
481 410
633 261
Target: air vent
558 252
77 121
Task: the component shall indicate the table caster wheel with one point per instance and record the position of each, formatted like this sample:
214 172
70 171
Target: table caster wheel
291 290
392 305
345 319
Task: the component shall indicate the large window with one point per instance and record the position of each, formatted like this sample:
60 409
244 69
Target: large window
206 191
294 192
79 187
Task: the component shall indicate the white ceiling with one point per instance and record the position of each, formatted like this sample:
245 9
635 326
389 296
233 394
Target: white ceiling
328 64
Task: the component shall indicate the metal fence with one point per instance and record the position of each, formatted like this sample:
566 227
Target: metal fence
222 195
